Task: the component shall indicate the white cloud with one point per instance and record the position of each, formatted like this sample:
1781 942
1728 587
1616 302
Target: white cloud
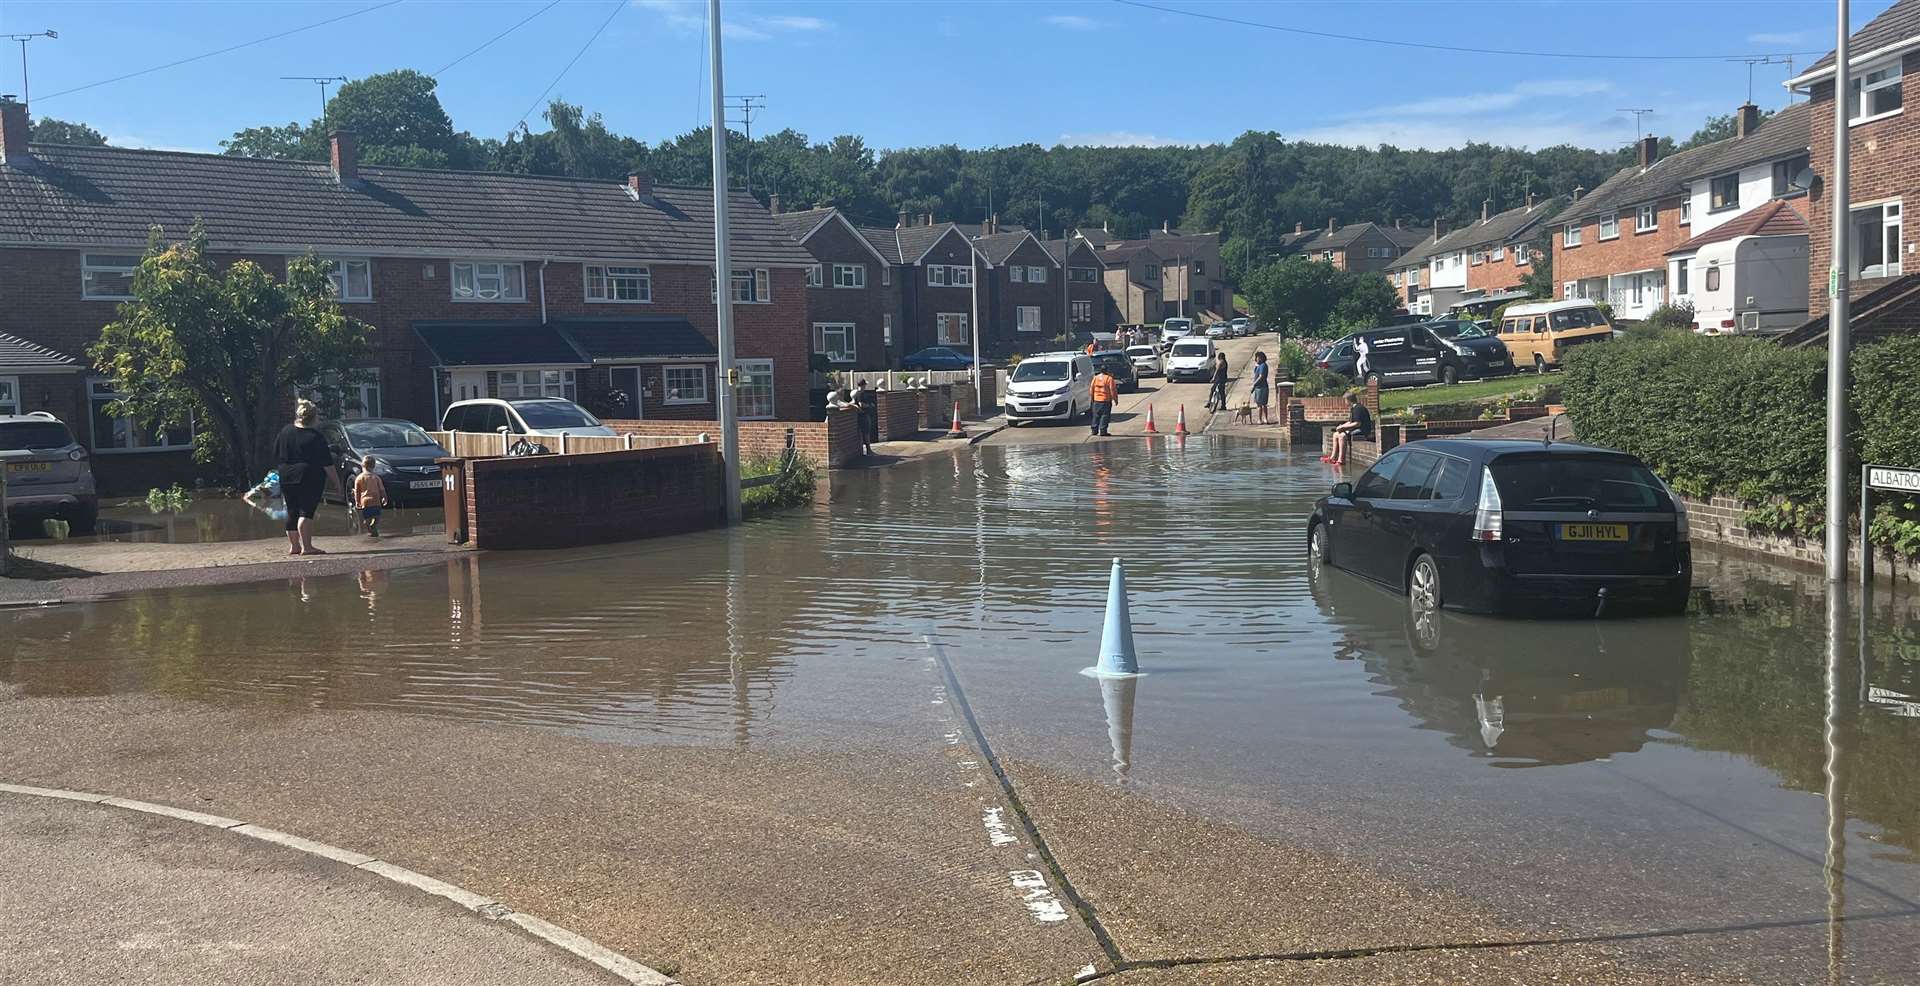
1777 38
1484 102
146 144
1120 138
1075 22
690 17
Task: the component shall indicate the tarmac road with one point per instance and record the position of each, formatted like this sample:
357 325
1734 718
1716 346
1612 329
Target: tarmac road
1130 411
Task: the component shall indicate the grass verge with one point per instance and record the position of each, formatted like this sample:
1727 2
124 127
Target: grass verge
1471 390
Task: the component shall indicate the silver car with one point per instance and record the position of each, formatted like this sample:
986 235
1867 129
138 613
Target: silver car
48 472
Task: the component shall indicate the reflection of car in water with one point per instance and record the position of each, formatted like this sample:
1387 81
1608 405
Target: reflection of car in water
1525 694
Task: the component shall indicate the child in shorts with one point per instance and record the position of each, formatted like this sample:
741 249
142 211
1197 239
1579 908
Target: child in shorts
369 494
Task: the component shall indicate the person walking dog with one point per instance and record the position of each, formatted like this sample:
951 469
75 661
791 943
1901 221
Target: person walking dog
1217 395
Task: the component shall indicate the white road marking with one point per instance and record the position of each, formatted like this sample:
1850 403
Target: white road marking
1040 901
999 833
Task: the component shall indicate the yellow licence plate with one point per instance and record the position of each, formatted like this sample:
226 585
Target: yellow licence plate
1593 532
30 467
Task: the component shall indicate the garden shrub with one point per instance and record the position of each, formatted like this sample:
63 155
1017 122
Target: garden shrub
1316 382
794 488
1886 376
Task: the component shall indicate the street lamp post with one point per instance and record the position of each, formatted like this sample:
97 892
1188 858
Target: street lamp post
1839 331
723 278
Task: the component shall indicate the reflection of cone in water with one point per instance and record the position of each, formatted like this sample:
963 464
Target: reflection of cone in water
1492 713
1116 636
1117 695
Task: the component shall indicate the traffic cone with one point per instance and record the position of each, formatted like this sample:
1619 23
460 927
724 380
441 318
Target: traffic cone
956 431
1116 636
1151 430
1180 424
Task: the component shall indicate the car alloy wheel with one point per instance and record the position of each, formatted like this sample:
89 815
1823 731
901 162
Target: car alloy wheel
1449 375
1317 554
1539 363
1423 585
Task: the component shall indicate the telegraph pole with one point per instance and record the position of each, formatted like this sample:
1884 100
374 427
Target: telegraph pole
723 276
1839 310
26 90
746 106
323 81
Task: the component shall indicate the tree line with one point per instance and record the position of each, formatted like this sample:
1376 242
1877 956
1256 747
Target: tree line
1253 190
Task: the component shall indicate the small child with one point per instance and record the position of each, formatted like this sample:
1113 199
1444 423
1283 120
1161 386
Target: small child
267 496
369 494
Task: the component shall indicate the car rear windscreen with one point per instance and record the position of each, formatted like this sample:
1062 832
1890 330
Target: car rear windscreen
542 414
34 436
1578 484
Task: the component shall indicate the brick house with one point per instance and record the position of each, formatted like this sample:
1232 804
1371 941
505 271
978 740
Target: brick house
1407 274
937 276
1192 280
1131 276
475 283
1089 309
1612 245
1355 246
1021 297
852 299
1500 250
1885 158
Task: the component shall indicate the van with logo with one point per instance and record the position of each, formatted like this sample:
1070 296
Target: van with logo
1538 335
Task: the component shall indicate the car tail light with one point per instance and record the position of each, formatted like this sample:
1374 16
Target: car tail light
78 455
1321 364
1726 323
1680 530
1487 521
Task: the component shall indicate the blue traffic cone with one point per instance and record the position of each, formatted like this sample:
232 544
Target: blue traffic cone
1116 638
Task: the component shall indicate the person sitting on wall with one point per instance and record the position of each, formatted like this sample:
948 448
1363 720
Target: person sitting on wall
1359 424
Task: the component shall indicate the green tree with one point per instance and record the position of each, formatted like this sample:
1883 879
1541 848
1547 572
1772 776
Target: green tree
225 349
1716 128
48 130
1538 280
1296 295
1363 300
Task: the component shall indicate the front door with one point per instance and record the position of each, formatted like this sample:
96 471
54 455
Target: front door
469 384
626 380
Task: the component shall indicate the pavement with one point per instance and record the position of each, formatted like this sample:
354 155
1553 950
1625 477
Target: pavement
59 571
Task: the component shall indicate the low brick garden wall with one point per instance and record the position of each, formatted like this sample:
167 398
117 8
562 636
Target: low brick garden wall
1718 520
899 412
563 501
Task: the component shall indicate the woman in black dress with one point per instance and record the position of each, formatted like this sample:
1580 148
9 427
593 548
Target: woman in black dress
305 465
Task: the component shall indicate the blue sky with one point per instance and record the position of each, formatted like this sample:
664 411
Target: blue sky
910 73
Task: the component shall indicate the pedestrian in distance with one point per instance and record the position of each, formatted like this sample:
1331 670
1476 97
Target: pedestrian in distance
1359 424
305 465
1103 389
370 495
1217 395
1260 386
868 407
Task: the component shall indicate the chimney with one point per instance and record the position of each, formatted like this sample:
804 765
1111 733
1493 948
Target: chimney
1105 227
640 184
1579 190
1332 224
1396 223
929 218
1436 227
13 131
1649 150
1529 201
904 220
1299 227
993 223
1486 209
1746 119
346 156
773 203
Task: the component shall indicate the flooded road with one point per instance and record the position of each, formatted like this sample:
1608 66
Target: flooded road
1672 777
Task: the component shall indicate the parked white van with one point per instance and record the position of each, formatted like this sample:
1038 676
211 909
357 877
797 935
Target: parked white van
1191 358
1050 386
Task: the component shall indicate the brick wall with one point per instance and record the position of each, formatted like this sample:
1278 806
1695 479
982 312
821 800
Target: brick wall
921 303
1000 318
1632 250
1718 520
1885 158
936 408
833 442
557 501
1494 276
899 412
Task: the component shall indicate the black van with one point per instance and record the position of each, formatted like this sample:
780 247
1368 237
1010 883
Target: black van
1508 525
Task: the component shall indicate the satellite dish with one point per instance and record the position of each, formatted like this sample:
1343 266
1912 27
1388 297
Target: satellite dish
1804 178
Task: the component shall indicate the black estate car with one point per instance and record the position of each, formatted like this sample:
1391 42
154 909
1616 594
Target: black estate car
1509 526
1117 363
1481 353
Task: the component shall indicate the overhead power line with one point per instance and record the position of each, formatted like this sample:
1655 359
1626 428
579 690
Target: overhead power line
1430 46
489 42
615 12
244 44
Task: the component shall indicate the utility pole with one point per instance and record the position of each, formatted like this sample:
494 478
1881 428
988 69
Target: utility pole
723 276
1839 305
973 278
323 81
26 90
746 106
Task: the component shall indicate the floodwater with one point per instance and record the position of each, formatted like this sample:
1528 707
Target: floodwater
1731 769
213 517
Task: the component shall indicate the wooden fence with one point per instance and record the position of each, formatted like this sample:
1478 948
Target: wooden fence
484 445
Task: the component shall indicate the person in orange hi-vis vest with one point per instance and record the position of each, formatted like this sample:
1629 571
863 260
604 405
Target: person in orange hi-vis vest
1104 388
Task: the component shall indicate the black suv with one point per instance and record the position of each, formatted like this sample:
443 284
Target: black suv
1120 366
1510 526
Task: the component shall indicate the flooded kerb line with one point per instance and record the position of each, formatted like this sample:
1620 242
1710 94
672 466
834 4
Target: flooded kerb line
1031 883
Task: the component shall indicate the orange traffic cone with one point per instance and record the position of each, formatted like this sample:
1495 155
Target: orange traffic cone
1151 430
956 431
1180 424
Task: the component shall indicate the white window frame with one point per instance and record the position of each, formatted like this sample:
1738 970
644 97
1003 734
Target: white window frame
845 330
88 267
544 382
489 269
1610 219
1017 273
669 390
1021 315
1083 311
961 276
10 395
101 389
886 327
361 398
757 281
816 276
1571 234
943 322
1036 275
1686 208
338 275
886 275
751 369
1857 99
853 276
937 276
1641 221
640 274
1891 215
1479 257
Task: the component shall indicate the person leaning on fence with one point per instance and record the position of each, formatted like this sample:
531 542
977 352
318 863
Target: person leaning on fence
1359 424
869 410
839 400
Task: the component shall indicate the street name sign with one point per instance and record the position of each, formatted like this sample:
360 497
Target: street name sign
1890 478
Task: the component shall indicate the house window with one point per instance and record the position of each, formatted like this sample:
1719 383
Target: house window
359 394
1520 256
352 278
1017 274
849 275
1029 316
1084 275
1413 277
950 328
936 275
1036 275
615 283
1200 268
816 276
1875 92
962 277
753 398
1876 240
747 286
473 281
1723 193
886 327
1686 210
9 395
107 276
1570 236
685 384
1648 219
1150 273
886 275
1328 256
1609 225
1788 175
527 384
1479 257
834 340
117 434
1499 254
1083 311
1682 274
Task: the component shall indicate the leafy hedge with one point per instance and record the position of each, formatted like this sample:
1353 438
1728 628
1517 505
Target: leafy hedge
1747 418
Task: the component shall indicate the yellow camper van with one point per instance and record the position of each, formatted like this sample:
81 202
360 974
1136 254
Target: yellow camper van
1538 335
